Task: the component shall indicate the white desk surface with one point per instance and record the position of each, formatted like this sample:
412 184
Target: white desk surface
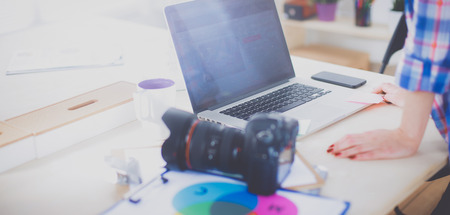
77 180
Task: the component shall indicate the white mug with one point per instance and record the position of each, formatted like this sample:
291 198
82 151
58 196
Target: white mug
152 99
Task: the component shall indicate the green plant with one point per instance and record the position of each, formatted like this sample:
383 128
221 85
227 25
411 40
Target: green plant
325 1
398 5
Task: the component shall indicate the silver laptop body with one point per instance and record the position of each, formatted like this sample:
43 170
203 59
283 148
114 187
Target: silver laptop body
233 51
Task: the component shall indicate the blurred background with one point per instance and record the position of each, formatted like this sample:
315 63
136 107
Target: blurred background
20 14
17 15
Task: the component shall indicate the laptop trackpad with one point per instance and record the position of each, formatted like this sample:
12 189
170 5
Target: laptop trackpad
320 115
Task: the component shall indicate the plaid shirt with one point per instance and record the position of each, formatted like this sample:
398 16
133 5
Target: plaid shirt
426 62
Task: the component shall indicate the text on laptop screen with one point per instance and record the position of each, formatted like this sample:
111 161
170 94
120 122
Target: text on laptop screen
227 49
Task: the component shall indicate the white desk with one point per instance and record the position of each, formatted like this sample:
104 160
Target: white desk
76 180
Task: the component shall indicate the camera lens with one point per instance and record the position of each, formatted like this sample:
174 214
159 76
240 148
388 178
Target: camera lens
201 145
174 148
215 147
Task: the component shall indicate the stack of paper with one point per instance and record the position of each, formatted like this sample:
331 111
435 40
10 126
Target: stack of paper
77 57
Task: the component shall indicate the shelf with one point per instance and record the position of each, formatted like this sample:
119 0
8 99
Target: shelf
343 26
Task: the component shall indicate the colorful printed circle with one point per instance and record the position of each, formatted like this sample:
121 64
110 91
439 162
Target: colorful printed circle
224 198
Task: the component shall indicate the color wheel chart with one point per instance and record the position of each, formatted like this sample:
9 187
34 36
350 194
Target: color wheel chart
190 193
217 198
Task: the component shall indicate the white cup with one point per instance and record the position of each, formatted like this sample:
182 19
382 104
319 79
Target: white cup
151 100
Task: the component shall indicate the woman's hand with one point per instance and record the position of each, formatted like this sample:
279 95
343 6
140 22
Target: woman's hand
393 93
374 145
388 144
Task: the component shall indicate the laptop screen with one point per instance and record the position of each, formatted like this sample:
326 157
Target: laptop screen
228 48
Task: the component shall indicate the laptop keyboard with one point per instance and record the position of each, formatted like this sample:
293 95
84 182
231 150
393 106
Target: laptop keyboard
280 101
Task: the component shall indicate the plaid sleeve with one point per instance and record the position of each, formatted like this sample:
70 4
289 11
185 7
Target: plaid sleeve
425 65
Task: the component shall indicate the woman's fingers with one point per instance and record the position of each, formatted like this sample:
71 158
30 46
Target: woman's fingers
372 145
392 93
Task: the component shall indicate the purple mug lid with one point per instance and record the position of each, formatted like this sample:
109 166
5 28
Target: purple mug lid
159 83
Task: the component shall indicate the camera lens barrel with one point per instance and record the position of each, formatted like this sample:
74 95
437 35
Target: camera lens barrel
216 147
174 148
204 147
201 145
230 159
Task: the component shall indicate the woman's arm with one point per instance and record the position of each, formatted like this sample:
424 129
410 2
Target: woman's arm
387 144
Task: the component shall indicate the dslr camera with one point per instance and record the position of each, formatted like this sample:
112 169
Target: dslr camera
261 155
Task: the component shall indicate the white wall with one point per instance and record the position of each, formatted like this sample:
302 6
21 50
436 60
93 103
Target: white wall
20 14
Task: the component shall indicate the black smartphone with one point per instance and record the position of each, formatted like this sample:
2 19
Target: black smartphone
338 79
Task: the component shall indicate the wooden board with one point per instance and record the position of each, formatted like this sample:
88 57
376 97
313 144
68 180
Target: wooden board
76 108
10 134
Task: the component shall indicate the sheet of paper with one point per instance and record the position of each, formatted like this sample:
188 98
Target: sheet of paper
30 61
323 174
303 126
365 98
197 193
150 161
299 175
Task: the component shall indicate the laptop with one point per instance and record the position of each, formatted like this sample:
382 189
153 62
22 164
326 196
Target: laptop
235 62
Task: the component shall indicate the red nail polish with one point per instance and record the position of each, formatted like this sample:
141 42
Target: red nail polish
352 157
337 154
329 150
331 146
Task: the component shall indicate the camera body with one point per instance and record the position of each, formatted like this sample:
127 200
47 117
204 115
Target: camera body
261 155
